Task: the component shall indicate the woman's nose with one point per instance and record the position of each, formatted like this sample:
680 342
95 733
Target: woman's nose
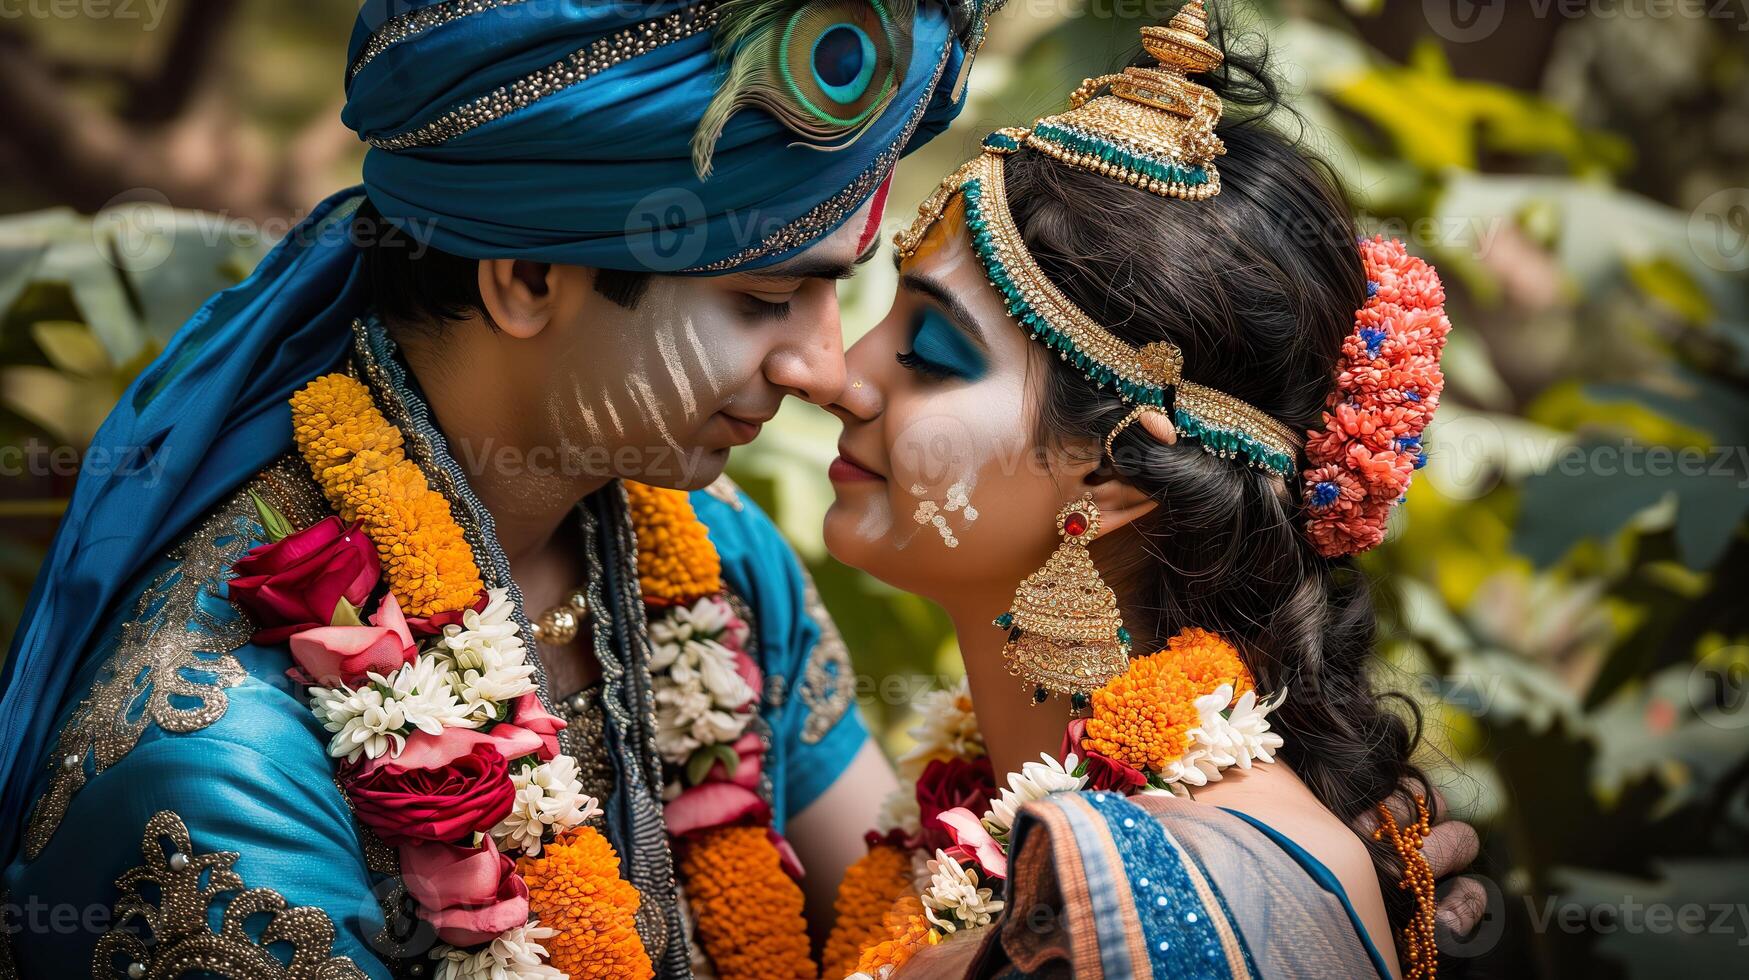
861 398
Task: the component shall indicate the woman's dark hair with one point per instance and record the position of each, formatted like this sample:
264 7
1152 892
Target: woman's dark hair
1258 286
414 283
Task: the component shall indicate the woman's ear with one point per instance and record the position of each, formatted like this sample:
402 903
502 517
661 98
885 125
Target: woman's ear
1119 502
517 295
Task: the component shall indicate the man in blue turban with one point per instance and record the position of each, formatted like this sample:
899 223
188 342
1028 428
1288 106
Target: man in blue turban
596 243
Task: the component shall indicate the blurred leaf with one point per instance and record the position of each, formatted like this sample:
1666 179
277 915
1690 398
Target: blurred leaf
72 347
1437 121
66 407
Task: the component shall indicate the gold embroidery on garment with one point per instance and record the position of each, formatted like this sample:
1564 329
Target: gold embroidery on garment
170 934
826 684
172 661
724 489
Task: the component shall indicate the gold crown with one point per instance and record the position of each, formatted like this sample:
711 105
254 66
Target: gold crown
1155 128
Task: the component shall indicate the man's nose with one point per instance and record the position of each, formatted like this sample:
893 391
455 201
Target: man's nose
811 364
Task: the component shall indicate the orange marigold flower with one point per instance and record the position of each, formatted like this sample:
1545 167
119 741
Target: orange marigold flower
1209 661
749 911
677 564
356 456
907 932
871 886
575 888
342 435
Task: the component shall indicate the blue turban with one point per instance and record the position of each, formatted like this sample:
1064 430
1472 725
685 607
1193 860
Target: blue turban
564 131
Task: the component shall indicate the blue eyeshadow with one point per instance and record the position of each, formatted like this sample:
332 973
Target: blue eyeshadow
946 347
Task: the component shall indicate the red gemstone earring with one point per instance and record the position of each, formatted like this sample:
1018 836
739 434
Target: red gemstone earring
1064 632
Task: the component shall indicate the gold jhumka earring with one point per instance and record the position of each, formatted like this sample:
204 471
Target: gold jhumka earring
1064 632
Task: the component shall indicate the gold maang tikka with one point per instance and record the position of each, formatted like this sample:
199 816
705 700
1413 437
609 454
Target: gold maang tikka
1064 632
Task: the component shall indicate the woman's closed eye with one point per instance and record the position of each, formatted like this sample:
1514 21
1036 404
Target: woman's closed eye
941 351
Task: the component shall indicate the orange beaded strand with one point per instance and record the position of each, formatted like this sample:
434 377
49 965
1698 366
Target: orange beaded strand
1417 940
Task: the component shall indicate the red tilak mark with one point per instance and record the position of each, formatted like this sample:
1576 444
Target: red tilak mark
878 208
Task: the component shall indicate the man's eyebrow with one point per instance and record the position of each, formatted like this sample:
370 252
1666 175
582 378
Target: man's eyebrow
956 310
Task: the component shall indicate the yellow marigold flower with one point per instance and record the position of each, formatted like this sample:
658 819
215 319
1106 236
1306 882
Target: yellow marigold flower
1141 716
356 456
427 561
907 932
677 564
342 435
871 886
1209 661
749 911
575 888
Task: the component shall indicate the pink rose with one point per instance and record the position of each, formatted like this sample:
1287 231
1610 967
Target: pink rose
433 624
972 842
449 803
946 784
749 672
328 655
469 894
526 713
723 797
1103 772
427 751
295 583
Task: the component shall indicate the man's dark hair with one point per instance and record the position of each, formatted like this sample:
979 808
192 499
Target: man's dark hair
413 282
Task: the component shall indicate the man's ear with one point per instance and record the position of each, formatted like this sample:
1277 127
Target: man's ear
517 294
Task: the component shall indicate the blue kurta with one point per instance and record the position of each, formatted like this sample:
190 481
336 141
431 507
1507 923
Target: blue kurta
187 717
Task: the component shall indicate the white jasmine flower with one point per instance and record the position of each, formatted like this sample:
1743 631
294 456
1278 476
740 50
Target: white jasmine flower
1224 738
363 721
548 797
375 719
515 954
947 729
899 811
488 659
699 695
953 900
424 695
1034 781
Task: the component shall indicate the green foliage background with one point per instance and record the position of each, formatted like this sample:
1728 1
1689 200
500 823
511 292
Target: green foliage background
1573 622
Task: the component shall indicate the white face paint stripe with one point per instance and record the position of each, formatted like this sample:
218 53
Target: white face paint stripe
644 399
669 351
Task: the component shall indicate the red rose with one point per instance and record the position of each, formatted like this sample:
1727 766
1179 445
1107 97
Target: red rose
946 784
445 804
469 894
1103 772
294 584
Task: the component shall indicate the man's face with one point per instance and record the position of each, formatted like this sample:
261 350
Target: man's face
661 391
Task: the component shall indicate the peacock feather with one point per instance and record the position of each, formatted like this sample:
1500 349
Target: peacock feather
825 69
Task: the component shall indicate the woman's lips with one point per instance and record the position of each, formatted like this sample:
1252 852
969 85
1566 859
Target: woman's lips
845 469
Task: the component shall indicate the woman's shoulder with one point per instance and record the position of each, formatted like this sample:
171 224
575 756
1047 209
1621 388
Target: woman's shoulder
1153 878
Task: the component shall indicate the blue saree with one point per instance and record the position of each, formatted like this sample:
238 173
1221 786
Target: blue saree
1155 888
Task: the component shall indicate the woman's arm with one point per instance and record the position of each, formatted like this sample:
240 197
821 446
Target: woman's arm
828 833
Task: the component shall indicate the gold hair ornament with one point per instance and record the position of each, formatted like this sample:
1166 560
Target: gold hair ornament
1158 111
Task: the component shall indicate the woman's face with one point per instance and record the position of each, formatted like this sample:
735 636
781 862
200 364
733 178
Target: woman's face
941 488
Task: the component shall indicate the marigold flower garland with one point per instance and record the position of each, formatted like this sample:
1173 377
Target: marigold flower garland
739 877
356 457
448 754
1171 720
871 886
